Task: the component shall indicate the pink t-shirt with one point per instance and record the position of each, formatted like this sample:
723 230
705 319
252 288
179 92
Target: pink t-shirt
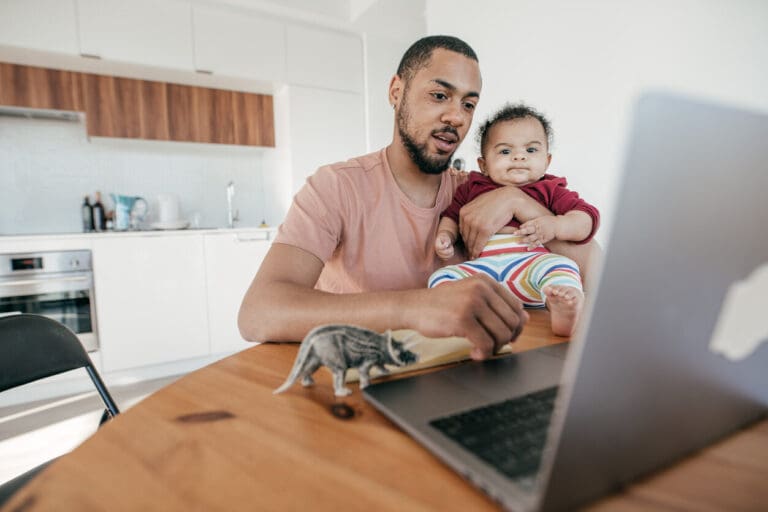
353 216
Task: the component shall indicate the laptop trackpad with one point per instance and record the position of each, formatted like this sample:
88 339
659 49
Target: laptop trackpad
472 384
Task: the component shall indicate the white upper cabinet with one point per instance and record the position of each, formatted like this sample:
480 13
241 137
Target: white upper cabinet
238 45
324 59
140 31
47 25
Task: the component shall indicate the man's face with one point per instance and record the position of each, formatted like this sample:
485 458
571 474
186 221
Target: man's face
436 108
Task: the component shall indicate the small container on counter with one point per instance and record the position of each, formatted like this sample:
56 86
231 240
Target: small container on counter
87 214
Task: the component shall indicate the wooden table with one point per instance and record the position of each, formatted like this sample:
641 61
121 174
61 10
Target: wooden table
218 439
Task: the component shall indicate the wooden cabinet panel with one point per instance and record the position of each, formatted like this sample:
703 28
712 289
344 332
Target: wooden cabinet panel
142 109
254 119
199 114
123 107
33 87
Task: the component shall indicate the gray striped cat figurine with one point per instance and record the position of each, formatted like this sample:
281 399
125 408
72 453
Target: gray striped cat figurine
339 347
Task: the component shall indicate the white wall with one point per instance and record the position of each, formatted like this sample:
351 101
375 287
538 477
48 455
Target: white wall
389 27
583 63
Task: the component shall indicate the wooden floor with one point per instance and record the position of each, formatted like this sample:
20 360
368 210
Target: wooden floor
33 433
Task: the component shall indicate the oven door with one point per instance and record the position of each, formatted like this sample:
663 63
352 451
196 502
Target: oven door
65 297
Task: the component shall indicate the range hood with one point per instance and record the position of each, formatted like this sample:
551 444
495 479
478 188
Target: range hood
41 113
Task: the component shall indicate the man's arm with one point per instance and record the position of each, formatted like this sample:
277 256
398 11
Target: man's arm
282 305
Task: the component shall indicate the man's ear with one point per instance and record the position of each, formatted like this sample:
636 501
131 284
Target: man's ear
481 164
396 87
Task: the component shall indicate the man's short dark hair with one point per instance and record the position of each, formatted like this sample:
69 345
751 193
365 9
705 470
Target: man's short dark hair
511 112
418 55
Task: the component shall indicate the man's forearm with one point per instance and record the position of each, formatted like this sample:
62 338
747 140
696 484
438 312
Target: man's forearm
283 311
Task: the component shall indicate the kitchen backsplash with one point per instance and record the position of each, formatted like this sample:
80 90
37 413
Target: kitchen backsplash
48 166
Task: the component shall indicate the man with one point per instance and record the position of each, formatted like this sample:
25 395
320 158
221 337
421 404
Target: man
356 245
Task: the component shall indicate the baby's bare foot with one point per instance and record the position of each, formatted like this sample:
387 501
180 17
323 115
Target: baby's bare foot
564 304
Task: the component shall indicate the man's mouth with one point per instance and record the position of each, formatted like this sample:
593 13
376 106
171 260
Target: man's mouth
445 140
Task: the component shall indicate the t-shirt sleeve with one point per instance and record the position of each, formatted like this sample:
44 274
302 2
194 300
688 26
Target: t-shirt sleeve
459 200
565 200
314 221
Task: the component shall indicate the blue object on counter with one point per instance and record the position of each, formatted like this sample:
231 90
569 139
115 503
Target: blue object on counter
129 211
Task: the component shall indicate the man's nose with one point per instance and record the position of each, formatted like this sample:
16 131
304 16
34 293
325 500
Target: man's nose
454 116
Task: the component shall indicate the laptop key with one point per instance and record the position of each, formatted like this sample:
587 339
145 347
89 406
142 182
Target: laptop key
508 435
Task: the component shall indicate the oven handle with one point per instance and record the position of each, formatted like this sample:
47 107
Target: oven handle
27 282
24 287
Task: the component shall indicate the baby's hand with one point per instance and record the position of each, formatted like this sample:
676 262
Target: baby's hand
443 245
538 231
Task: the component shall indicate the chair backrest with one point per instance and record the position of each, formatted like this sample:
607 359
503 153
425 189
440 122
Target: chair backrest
33 347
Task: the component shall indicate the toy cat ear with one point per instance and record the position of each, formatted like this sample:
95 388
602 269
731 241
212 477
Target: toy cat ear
389 335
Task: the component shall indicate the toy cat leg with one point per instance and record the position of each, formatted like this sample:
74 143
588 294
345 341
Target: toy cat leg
310 368
338 383
364 371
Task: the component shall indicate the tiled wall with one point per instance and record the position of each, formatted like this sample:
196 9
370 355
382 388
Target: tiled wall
48 166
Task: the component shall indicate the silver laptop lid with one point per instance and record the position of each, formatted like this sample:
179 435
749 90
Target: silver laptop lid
690 225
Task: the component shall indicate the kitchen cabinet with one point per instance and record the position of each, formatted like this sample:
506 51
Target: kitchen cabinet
46 25
232 260
150 299
324 59
199 114
33 87
123 107
140 31
254 119
238 45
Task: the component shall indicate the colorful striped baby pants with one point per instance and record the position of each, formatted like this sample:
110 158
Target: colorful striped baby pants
525 272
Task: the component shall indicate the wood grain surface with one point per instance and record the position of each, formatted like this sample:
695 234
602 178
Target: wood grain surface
218 439
143 109
34 87
124 107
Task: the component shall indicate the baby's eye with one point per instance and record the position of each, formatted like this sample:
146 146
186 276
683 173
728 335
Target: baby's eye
532 150
504 152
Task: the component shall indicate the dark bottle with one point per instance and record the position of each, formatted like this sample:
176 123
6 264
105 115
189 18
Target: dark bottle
87 210
99 219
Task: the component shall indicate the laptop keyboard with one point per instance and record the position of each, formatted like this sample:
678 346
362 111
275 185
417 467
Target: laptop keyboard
508 435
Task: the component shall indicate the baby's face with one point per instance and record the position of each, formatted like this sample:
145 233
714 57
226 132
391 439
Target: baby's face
516 152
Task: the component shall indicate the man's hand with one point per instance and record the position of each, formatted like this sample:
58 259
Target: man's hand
444 245
538 231
477 308
486 215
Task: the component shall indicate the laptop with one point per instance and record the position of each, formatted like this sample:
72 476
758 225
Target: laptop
672 351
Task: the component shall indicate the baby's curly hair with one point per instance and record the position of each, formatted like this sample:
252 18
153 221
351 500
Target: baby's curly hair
510 112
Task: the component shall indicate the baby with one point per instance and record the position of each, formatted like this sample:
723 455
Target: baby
514 144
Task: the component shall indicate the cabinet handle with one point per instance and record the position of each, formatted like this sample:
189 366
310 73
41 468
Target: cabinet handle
204 71
252 238
91 56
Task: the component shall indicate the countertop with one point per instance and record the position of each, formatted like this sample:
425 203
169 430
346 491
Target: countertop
269 231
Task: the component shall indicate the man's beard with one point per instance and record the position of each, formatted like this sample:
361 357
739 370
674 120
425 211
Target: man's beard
418 152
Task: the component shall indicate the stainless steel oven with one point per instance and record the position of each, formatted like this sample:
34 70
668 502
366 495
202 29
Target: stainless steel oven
58 285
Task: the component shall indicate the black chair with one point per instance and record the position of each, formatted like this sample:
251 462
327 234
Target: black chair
33 347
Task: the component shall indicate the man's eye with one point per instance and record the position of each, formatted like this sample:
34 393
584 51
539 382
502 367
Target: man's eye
532 150
439 96
469 106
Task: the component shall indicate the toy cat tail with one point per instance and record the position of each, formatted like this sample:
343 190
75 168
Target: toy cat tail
297 366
